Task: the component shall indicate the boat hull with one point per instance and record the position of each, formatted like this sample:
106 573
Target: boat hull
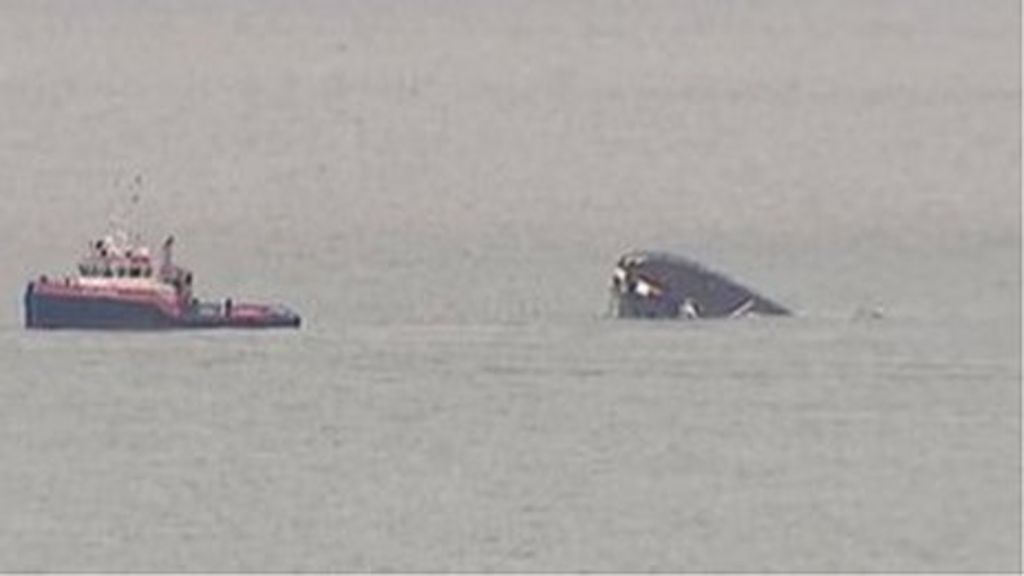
660 285
61 307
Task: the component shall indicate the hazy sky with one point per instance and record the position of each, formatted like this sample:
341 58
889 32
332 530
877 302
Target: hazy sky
517 136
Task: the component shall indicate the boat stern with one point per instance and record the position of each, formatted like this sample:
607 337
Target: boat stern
240 315
284 317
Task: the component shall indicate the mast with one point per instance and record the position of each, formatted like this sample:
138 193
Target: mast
167 257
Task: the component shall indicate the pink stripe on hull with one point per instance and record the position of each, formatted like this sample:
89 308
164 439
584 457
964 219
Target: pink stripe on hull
171 307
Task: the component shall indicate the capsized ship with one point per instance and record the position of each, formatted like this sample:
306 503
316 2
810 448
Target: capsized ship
119 286
649 284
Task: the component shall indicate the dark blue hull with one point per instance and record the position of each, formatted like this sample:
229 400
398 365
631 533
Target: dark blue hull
48 311
660 285
632 306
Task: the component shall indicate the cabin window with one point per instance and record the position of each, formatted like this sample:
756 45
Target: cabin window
134 272
83 270
107 272
120 272
147 272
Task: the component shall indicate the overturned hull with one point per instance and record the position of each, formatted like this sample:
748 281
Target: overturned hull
55 306
660 285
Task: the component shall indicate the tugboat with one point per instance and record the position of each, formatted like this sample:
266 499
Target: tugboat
119 286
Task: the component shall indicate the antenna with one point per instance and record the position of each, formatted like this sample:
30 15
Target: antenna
123 216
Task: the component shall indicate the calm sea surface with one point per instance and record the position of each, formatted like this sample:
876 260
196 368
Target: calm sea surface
441 188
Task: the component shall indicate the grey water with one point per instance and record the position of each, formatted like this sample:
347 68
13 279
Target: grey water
442 188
